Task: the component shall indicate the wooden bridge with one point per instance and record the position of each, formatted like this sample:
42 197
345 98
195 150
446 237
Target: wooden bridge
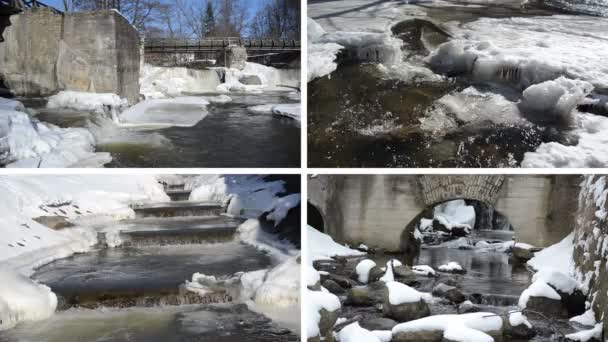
216 45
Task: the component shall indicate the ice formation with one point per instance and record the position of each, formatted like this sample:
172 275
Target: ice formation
162 113
83 101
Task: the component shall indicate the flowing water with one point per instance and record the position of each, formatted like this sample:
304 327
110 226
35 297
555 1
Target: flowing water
136 292
360 117
229 136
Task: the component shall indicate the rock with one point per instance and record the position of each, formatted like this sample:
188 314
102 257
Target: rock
251 80
467 307
342 280
359 296
521 331
460 231
379 323
549 307
448 281
287 229
448 292
333 287
327 321
375 274
365 295
418 336
404 312
524 254
404 274
54 222
315 287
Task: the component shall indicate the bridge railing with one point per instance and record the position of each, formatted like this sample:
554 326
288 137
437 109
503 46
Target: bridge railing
219 43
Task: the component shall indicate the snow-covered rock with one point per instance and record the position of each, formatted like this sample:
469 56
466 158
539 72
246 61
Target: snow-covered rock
478 326
322 246
362 270
91 102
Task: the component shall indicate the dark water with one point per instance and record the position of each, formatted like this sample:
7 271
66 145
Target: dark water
212 323
229 136
357 118
150 269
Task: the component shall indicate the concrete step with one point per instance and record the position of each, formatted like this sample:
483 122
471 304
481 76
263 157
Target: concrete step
177 231
179 195
147 276
178 209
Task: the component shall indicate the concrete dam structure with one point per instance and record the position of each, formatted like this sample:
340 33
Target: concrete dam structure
377 209
45 52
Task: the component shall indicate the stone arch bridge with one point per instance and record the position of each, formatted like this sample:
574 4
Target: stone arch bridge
375 209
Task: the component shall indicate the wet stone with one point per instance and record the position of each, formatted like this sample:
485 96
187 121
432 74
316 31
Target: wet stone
333 287
448 292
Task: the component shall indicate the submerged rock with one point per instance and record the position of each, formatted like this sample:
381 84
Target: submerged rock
448 292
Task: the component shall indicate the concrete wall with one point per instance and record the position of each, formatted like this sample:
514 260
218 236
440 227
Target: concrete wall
46 52
591 246
375 209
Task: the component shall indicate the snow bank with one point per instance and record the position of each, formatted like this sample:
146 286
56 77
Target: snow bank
399 293
591 151
91 102
354 333
281 206
558 257
362 269
587 335
322 246
554 100
161 82
279 286
321 56
558 280
21 299
71 196
28 143
162 113
457 327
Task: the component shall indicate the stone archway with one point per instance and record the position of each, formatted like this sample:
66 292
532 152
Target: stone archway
314 218
437 189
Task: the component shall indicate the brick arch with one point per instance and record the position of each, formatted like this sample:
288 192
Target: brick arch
435 189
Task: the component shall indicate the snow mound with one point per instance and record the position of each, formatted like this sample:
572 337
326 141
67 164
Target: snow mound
354 333
538 289
290 110
587 335
457 327
270 78
92 102
455 214
554 100
162 113
527 51
517 318
362 269
23 300
322 246
316 301
399 293
423 270
557 280
451 267
28 143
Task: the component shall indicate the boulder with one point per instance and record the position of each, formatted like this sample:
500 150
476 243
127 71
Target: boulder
448 292
365 295
327 321
418 336
524 254
549 307
467 307
404 274
375 274
343 281
379 323
333 287
404 312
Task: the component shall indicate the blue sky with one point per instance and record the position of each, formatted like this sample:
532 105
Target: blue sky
252 5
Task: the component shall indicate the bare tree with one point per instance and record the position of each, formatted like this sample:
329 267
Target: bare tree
277 19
